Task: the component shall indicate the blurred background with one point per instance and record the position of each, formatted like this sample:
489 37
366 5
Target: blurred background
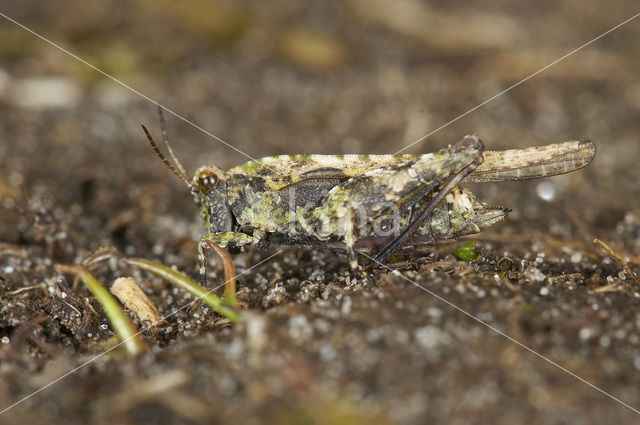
308 77
330 77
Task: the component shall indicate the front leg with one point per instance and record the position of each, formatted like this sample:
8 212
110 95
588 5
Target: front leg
222 240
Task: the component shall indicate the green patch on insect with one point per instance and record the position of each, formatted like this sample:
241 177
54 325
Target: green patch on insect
466 252
375 204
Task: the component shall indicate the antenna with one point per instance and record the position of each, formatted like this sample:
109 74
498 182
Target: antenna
181 176
163 127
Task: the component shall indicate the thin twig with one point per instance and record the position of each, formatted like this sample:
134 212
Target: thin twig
620 259
611 288
23 289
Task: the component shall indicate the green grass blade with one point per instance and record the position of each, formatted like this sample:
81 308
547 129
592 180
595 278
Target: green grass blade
177 278
127 332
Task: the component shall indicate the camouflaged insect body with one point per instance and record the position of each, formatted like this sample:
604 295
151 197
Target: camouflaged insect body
348 201
378 203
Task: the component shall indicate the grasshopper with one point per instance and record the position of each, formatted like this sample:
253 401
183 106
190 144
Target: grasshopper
372 203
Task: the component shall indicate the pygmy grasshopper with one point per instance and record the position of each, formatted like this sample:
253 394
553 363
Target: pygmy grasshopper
373 203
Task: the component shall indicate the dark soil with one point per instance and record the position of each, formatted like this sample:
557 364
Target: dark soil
437 340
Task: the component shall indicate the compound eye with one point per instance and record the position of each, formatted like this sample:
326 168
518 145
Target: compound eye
207 181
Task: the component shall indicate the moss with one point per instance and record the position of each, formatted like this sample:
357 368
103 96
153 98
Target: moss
467 251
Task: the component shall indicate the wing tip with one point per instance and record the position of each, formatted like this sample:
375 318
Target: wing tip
589 149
